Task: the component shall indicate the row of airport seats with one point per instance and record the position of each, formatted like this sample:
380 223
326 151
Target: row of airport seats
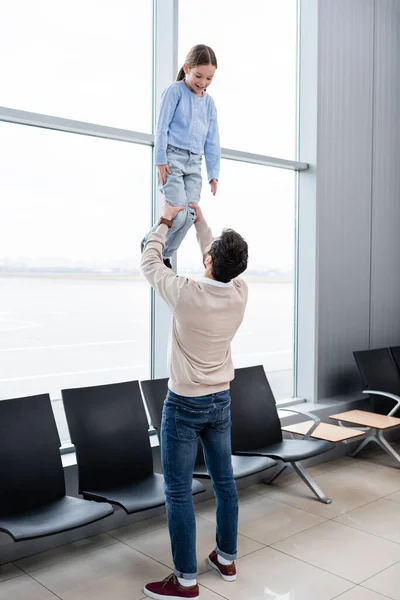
380 373
109 429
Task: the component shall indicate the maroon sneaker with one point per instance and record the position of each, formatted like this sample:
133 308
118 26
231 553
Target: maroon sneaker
227 572
172 589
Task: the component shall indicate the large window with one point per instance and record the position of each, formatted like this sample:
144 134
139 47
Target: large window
88 60
255 92
259 203
74 308
255 83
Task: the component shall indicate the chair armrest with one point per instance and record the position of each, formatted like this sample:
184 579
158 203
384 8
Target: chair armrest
387 395
313 427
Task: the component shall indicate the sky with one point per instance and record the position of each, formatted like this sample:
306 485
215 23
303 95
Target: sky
83 198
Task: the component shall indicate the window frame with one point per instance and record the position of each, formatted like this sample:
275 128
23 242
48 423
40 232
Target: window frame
165 51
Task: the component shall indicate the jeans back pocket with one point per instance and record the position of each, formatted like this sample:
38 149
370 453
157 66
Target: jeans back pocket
189 422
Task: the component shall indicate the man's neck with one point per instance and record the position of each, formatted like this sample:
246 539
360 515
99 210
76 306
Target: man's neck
209 276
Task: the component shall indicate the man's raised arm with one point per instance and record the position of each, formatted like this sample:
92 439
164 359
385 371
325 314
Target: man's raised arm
203 231
160 277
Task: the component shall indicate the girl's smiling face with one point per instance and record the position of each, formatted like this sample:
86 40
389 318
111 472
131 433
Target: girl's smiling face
199 78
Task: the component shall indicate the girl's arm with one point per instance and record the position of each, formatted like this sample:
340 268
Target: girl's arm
169 102
212 148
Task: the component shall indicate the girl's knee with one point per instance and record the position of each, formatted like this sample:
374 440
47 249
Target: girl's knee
179 220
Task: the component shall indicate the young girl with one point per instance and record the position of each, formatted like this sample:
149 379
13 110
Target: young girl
187 128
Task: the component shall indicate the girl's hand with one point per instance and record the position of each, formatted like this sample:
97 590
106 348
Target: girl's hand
162 171
214 185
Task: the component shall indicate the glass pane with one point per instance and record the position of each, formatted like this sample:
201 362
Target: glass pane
259 203
74 309
90 61
255 85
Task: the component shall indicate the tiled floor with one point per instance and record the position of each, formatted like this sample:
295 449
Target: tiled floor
291 547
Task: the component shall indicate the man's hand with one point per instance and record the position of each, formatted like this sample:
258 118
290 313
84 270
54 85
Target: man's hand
162 171
170 212
214 185
199 214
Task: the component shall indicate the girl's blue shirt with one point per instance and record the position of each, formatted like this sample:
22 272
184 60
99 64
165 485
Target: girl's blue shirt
189 122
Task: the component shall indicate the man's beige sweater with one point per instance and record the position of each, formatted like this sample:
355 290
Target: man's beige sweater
205 318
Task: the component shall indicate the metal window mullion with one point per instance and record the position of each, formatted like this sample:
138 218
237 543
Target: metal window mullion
165 67
22 117
260 159
307 256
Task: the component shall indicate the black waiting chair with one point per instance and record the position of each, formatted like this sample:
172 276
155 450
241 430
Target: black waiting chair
109 429
154 393
395 353
33 502
256 428
381 379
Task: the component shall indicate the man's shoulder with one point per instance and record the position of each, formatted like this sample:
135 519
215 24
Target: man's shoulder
199 285
241 285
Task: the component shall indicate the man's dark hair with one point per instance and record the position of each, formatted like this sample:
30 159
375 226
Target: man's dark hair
230 254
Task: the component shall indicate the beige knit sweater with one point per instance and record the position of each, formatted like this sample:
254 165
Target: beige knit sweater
205 316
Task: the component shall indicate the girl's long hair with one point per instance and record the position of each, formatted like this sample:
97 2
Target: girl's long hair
198 55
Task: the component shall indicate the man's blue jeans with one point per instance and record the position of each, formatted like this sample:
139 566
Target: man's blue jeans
184 421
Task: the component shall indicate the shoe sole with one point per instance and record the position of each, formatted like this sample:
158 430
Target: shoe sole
164 597
225 577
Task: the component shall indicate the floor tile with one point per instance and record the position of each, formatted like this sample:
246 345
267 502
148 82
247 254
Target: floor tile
387 582
356 556
381 518
24 588
349 487
44 559
157 544
344 497
367 477
271 575
267 521
8 571
344 551
360 593
206 594
113 572
258 518
394 497
129 531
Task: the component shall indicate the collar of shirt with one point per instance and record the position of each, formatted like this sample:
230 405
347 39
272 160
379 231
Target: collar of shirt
216 283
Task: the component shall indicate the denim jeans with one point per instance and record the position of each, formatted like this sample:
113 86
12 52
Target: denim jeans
185 421
183 187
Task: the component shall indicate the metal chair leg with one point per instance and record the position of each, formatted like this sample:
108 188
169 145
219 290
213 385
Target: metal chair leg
384 444
302 473
361 446
268 481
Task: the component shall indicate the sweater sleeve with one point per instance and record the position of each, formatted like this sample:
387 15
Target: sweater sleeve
204 235
165 282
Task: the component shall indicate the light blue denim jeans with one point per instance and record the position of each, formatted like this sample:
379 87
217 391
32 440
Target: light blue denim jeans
183 187
185 421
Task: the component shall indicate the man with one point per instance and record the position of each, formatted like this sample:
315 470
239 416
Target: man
206 315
